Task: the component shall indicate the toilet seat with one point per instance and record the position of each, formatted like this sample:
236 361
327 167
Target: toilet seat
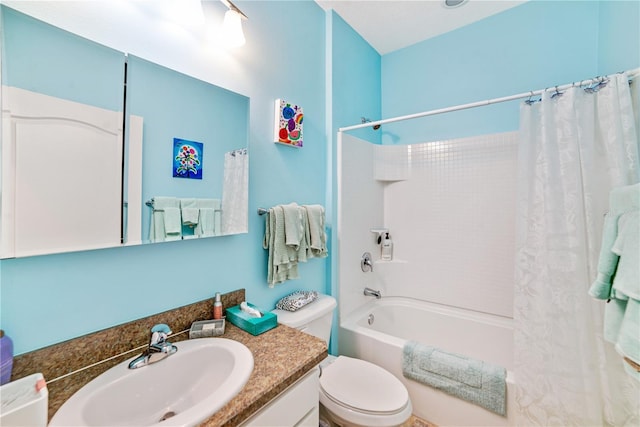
363 387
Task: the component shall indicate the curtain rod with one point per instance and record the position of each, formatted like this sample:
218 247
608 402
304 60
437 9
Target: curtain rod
630 74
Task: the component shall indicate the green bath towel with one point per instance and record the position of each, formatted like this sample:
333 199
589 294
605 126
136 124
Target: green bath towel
618 279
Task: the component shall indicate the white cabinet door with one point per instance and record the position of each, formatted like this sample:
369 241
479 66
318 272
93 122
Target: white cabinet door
297 406
61 175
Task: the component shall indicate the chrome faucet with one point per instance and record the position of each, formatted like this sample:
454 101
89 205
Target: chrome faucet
366 263
158 349
372 293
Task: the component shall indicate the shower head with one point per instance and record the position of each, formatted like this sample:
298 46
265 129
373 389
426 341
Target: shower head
365 120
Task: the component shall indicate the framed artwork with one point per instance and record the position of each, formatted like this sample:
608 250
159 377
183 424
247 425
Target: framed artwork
187 159
288 123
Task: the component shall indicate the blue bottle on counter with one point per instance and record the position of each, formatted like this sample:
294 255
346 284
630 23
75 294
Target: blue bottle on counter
6 358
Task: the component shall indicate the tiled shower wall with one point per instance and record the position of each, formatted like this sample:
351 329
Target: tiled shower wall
452 220
450 209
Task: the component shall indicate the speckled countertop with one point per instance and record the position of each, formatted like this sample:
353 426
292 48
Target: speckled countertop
281 356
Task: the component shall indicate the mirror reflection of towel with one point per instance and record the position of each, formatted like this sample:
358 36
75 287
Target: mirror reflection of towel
209 222
172 225
165 220
190 212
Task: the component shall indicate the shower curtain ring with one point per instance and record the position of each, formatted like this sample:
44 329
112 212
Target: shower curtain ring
530 101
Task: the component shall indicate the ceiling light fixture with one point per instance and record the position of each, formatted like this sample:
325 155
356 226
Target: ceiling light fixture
449 4
232 25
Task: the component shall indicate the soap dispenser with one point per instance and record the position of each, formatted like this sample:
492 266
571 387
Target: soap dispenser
387 248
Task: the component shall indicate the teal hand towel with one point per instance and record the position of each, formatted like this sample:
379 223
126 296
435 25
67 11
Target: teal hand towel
618 279
316 236
470 379
279 265
627 248
622 200
172 223
293 230
165 219
190 212
209 222
294 236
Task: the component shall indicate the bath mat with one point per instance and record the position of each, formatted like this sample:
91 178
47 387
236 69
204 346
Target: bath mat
470 379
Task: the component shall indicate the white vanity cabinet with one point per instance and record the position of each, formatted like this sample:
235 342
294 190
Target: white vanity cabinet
297 406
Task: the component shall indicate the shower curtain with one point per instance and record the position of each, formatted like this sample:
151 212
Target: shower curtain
235 192
574 148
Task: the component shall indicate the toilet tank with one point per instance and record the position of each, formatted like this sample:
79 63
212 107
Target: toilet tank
314 319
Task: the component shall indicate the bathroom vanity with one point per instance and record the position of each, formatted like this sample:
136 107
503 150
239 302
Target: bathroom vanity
297 406
284 383
284 373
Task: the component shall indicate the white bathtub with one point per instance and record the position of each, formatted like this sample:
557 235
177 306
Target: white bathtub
396 320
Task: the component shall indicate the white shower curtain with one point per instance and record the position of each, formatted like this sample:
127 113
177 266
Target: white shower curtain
574 149
235 192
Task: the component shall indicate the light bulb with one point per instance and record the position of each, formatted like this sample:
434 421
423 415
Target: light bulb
232 29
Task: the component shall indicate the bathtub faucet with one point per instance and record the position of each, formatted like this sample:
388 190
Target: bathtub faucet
372 293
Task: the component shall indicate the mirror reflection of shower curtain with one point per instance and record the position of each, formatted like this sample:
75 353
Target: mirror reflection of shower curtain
573 150
235 192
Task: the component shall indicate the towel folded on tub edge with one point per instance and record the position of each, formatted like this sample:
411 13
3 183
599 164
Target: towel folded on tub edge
473 380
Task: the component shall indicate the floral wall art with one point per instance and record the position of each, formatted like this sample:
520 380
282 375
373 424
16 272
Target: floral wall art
288 123
187 159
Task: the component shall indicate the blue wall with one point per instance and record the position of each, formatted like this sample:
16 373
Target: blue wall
619 36
533 46
48 299
356 76
290 47
85 72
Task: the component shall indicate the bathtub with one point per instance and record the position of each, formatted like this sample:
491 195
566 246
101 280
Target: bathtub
378 330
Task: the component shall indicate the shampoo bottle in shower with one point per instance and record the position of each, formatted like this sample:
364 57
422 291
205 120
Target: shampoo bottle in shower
387 248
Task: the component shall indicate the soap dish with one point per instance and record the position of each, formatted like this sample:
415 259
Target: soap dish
206 328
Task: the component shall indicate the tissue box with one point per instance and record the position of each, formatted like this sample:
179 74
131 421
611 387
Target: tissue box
253 325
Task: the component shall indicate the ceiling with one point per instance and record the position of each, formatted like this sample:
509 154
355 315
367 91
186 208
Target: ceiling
389 25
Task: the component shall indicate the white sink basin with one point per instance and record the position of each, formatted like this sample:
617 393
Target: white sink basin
180 390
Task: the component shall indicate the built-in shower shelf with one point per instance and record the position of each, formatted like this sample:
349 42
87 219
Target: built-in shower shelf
393 261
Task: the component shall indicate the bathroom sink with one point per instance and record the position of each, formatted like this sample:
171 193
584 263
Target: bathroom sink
180 390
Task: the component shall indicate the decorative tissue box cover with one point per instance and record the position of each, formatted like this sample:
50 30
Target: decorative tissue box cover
253 325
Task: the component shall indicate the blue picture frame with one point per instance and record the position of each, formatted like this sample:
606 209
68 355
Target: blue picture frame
187 159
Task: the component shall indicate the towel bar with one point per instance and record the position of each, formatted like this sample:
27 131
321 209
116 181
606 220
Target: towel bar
150 204
262 211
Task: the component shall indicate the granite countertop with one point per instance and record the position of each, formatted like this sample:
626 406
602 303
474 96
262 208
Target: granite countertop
281 356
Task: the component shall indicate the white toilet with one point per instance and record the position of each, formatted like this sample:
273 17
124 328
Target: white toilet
353 392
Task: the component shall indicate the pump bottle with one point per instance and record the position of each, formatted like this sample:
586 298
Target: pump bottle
387 248
217 307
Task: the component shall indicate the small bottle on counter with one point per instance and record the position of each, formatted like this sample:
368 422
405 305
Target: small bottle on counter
217 307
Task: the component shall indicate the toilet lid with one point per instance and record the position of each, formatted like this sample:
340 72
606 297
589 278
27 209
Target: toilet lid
363 386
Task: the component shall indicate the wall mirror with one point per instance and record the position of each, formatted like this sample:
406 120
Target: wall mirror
85 157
